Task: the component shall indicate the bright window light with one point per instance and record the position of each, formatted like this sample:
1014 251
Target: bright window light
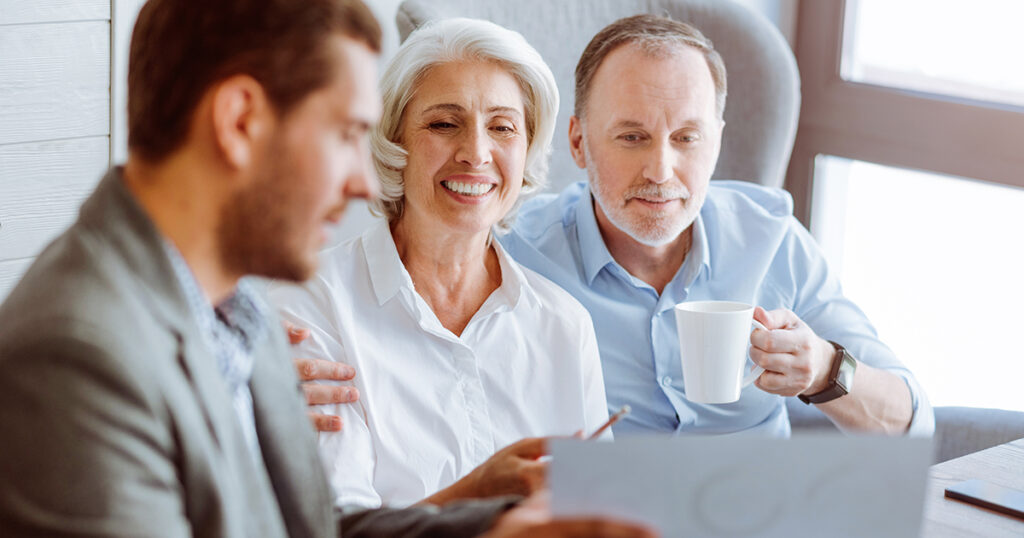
945 47
937 263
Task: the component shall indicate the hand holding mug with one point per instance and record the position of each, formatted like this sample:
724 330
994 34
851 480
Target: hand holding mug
796 359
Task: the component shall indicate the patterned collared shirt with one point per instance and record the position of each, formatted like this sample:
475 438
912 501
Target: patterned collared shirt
232 330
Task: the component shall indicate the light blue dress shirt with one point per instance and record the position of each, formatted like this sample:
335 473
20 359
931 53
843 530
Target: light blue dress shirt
747 247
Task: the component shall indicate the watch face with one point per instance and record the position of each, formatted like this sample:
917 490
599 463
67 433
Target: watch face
847 367
840 378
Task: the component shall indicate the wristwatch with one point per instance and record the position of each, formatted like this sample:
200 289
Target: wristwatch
840 378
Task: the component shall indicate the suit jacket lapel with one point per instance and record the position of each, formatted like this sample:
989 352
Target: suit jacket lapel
288 442
198 365
286 438
130 231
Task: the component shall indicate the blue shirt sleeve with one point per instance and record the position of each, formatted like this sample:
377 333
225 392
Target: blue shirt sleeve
820 302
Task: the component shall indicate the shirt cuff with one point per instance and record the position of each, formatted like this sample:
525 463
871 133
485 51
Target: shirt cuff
923 422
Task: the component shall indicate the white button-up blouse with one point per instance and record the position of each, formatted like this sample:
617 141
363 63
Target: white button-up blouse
434 405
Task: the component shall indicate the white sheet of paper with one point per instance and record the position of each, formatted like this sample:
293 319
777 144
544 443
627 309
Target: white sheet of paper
815 485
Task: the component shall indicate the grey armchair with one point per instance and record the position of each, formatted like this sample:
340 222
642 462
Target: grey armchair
761 118
764 86
958 430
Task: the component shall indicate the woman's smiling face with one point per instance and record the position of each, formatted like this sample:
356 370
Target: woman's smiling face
466 138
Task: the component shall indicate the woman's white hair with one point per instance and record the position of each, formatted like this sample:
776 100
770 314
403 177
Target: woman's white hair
458 40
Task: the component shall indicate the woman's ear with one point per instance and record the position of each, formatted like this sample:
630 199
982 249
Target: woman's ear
242 118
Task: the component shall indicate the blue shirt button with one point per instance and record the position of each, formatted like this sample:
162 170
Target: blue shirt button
666 381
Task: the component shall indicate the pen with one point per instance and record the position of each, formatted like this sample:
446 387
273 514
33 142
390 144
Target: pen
623 411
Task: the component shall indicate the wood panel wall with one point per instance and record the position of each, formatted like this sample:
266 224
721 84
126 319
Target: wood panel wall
55 94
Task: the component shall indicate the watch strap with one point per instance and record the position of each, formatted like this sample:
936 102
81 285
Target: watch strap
840 378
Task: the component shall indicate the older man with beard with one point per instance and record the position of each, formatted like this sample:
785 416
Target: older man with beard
651 230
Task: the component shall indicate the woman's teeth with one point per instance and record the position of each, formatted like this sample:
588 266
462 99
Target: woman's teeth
469 189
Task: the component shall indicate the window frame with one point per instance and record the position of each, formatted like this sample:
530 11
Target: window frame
890 126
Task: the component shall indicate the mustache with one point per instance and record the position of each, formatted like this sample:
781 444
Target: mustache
659 192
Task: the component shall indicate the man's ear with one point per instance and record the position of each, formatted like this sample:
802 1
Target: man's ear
242 118
718 139
576 145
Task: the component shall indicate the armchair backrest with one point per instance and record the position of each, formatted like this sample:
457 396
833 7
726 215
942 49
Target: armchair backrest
764 86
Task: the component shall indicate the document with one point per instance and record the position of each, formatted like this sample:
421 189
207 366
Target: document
814 485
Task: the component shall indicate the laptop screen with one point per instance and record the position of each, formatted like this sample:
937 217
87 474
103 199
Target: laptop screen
815 485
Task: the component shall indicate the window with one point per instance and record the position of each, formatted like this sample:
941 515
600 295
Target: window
916 251
907 168
955 49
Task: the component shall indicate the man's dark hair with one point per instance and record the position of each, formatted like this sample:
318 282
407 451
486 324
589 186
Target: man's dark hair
180 48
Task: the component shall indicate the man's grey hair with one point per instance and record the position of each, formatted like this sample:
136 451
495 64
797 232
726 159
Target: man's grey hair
458 40
656 36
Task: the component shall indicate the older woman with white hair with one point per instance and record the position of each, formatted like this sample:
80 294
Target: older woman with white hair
459 350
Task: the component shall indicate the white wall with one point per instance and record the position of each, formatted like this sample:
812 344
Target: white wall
54 119
62 119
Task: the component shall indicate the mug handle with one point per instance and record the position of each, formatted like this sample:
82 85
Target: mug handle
757 370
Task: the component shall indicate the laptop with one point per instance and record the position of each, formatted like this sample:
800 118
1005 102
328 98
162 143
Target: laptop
811 485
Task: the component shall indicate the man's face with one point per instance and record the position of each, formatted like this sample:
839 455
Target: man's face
649 141
315 160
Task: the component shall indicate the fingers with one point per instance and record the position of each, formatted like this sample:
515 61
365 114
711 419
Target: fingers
329 394
320 369
505 473
782 362
781 384
788 355
794 357
776 319
325 423
589 528
785 374
794 338
530 448
794 367
296 334
534 475
539 502
762 316
532 519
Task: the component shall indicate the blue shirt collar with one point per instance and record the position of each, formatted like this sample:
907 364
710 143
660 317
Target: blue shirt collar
699 257
593 250
595 254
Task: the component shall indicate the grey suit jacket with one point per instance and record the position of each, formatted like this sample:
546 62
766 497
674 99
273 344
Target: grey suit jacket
114 420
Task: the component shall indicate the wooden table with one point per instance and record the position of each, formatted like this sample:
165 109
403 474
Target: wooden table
1002 465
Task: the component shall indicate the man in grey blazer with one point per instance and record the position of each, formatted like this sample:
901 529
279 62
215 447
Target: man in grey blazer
144 389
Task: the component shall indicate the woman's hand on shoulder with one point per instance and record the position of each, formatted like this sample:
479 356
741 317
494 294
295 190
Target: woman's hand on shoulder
311 370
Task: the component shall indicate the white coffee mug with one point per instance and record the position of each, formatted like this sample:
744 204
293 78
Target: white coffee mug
713 341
